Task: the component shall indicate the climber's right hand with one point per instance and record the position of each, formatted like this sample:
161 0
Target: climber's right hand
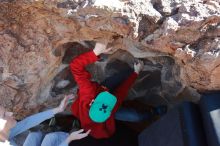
138 66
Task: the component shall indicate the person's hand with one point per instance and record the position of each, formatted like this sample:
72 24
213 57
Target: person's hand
138 66
64 103
76 135
101 48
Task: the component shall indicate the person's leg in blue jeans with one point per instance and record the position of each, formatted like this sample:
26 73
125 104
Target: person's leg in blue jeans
34 139
131 115
54 139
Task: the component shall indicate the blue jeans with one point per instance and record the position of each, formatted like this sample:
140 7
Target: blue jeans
51 139
124 114
131 115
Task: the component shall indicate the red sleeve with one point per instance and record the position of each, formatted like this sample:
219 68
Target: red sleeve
77 67
122 91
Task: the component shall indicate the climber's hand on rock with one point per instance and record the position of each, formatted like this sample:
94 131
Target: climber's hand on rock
64 103
101 48
138 66
77 135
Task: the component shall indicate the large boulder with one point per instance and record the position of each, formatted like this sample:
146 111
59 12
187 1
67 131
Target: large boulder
179 41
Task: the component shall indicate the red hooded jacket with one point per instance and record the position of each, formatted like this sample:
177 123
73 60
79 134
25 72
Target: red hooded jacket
88 90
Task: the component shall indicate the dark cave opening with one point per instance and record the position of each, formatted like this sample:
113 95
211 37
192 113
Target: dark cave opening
143 96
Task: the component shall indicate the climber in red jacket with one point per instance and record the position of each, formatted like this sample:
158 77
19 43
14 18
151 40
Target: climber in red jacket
96 106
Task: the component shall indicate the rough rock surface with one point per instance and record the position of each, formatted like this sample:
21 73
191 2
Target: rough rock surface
179 41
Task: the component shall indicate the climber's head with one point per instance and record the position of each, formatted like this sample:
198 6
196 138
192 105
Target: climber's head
7 122
102 106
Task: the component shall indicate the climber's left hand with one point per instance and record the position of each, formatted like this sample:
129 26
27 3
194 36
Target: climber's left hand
101 48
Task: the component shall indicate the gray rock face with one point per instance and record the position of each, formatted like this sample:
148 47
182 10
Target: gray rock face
179 41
